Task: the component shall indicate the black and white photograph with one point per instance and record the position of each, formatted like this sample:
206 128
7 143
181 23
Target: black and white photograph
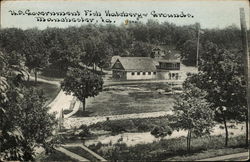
124 80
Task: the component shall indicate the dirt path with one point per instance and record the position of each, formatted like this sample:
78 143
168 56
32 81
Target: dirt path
46 81
77 122
233 157
71 154
62 100
86 149
75 108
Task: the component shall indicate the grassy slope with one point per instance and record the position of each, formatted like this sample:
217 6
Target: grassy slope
50 90
172 149
57 156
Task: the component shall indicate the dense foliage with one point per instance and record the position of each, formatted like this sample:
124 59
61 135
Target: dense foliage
82 83
192 112
94 45
222 77
25 123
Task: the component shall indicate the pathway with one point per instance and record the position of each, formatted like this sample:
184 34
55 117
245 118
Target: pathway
62 100
46 81
71 154
75 108
233 157
87 150
77 122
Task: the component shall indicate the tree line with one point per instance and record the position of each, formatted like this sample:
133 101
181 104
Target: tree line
94 45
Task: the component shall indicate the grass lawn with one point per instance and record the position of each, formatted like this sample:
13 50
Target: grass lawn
171 149
50 90
57 156
127 99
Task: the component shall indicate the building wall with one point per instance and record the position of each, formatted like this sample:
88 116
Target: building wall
141 76
169 75
119 74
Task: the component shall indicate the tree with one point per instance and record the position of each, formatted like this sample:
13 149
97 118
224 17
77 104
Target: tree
35 51
221 76
28 113
25 122
9 134
189 52
141 49
82 83
192 112
12 39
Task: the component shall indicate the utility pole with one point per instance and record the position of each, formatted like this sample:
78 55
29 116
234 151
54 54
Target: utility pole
246 65
197 49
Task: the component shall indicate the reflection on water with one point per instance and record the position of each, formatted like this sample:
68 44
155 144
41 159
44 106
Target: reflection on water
132 139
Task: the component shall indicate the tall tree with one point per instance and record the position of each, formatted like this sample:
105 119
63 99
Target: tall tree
82 83
35 51
192 112
25 122
141 49
189 52
221 76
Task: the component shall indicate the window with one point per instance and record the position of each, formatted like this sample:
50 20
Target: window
133 73
154 73
149 73
144 73
138 73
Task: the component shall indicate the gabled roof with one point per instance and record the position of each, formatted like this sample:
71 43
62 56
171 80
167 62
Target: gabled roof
137 63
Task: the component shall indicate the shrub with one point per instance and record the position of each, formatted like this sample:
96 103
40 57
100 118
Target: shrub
161 131
84 131
131 125
143 127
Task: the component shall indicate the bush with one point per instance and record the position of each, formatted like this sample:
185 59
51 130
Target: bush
161 131
84 131
143 127
118 126
131 125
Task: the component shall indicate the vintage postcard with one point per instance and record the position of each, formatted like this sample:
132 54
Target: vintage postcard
124 80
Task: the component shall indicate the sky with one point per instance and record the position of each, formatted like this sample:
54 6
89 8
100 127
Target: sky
210 14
